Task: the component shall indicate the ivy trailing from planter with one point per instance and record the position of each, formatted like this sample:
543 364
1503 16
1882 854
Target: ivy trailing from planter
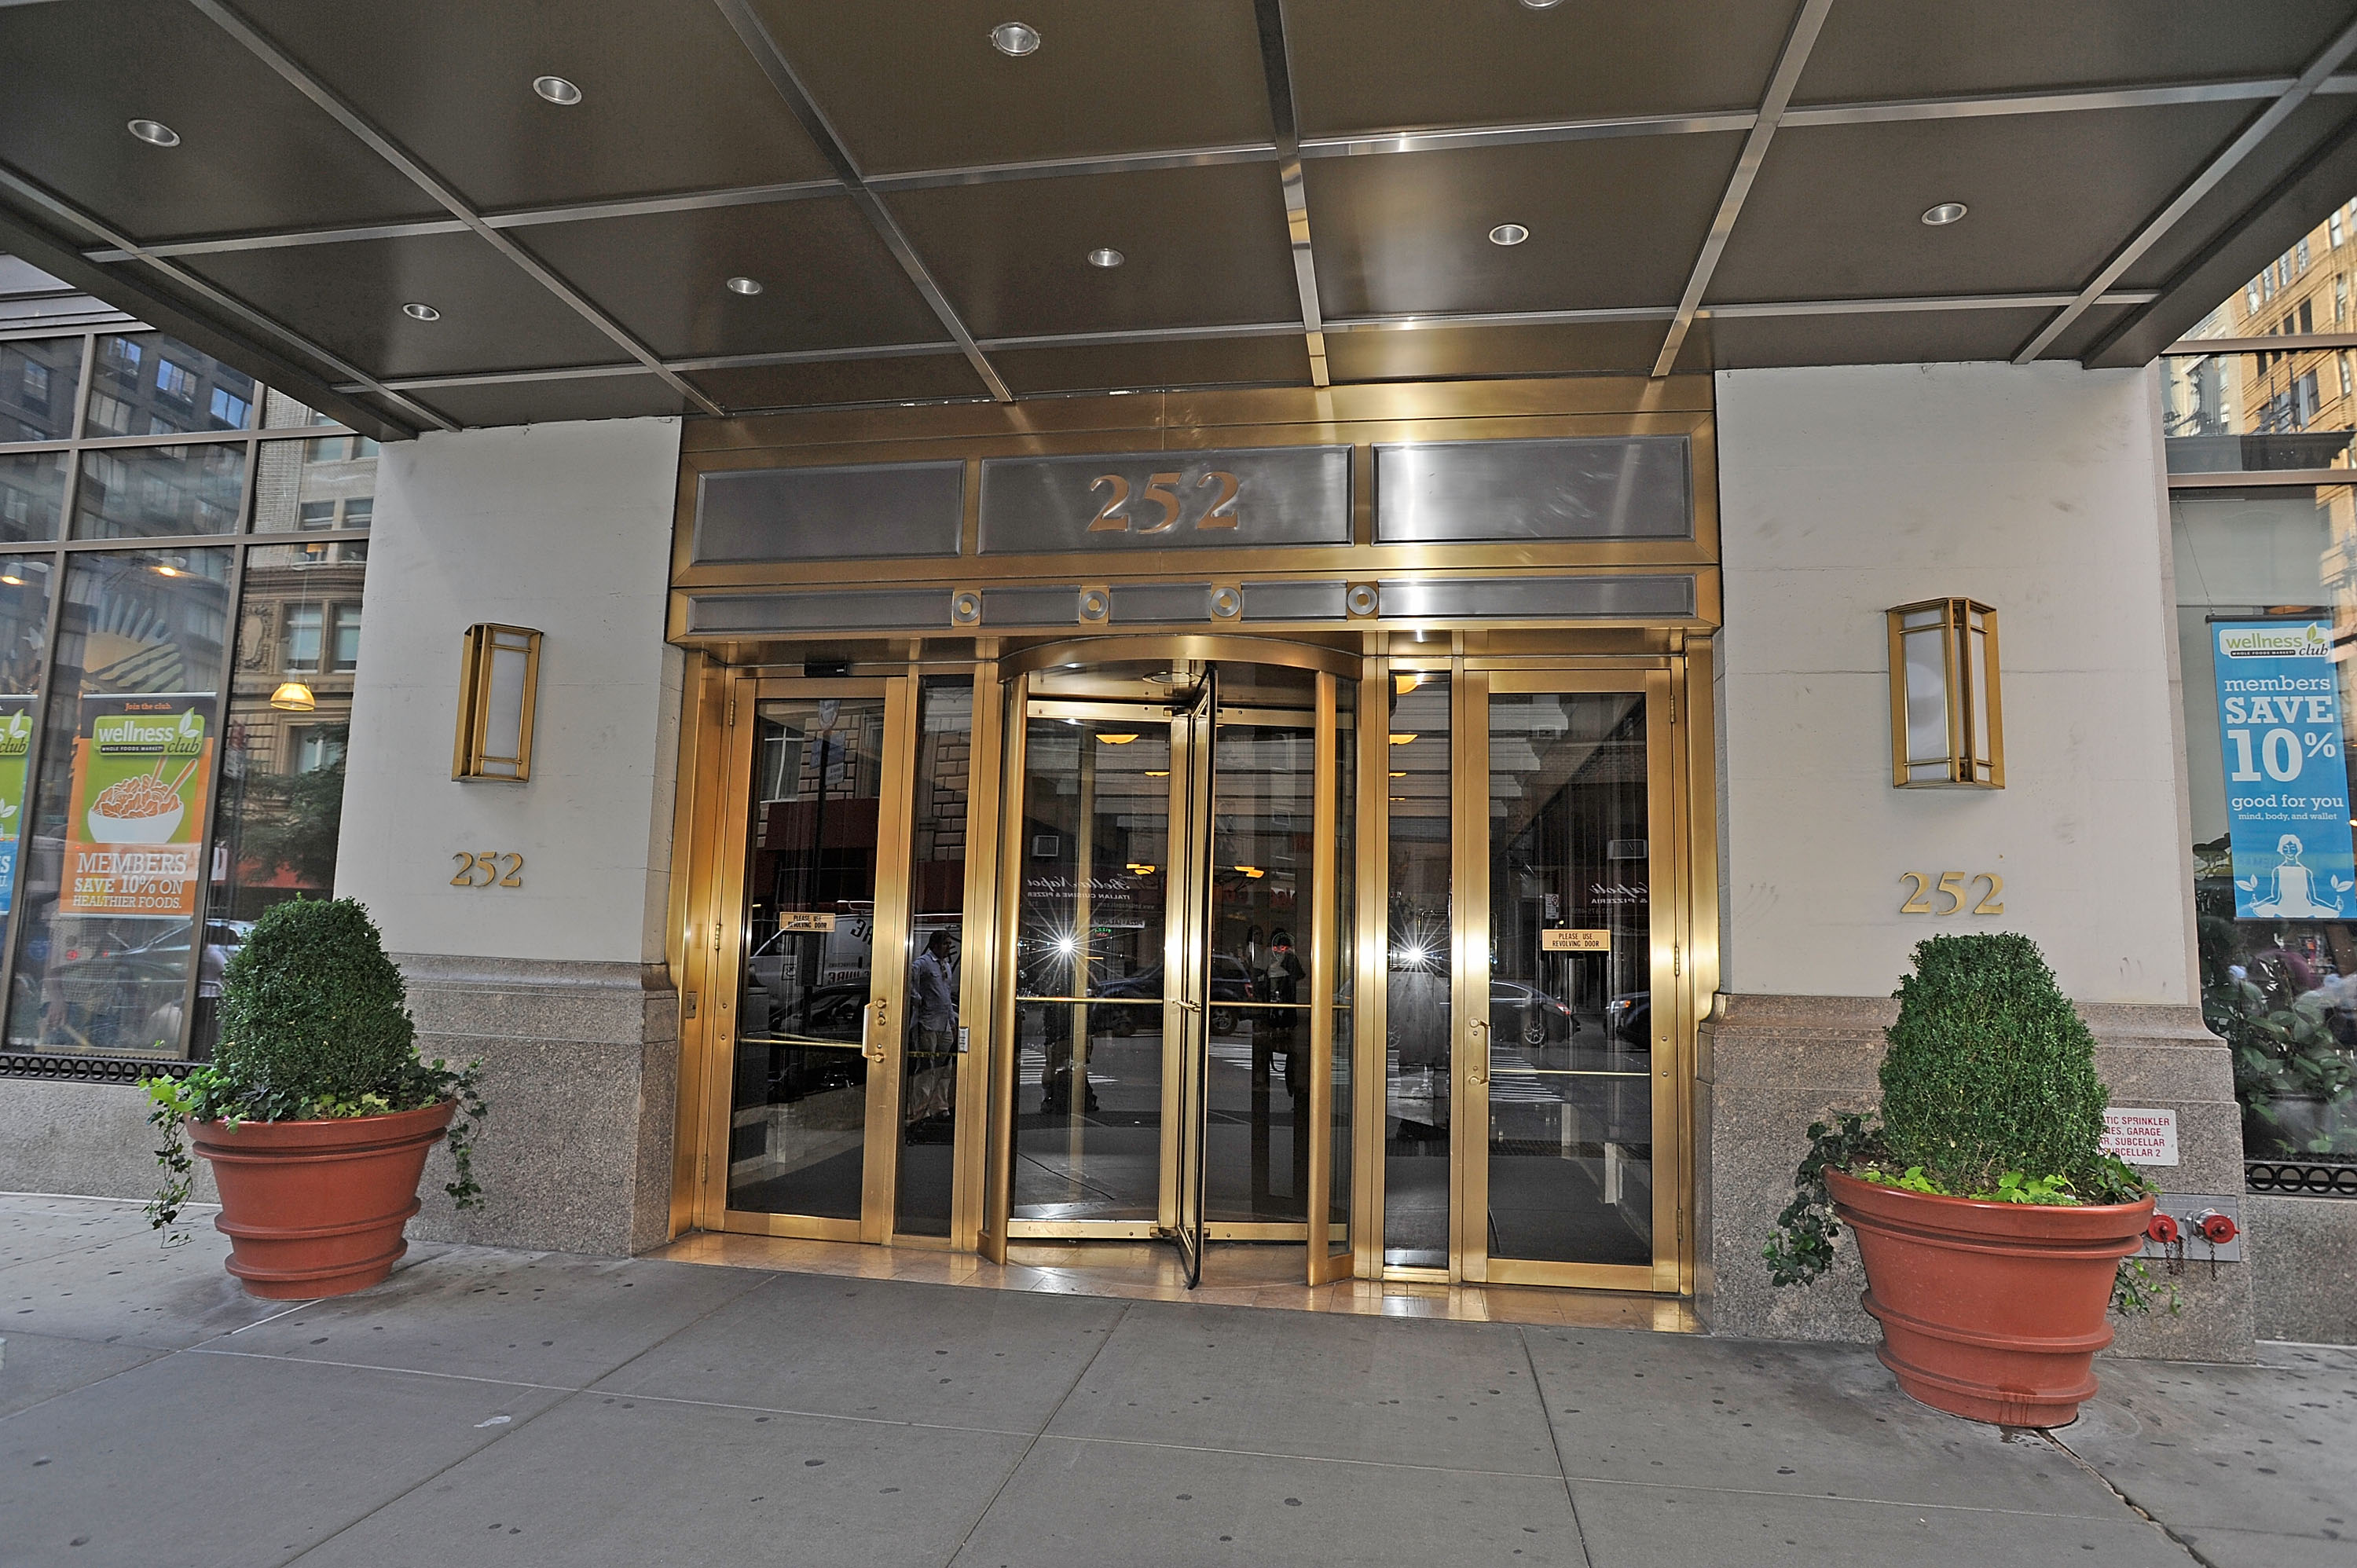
314 1025
1988 1092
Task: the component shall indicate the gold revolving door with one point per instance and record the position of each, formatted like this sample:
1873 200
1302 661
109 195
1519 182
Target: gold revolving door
1174 992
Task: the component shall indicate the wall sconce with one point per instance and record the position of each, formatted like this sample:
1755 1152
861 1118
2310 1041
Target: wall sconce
1945 729
499 675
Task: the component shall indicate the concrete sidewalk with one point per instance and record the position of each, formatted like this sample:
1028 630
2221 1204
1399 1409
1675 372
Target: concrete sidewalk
503 1408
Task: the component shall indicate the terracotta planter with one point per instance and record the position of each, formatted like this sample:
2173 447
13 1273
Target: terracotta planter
1993 1311
316 1209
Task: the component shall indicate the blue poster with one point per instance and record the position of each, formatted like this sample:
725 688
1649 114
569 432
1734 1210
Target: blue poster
2287 782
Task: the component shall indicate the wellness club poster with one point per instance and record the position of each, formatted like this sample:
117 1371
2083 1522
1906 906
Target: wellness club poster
141 767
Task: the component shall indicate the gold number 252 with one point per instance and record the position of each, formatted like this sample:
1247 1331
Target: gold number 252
1953 886
1162 492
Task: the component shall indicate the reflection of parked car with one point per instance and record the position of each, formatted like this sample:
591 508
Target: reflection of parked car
223 937
1230 986
1630 1018
1526 1015
835 1012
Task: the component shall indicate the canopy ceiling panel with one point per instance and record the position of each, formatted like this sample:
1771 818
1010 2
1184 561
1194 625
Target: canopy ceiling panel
1287 191
349 298
1363 67
914 377
1272 360
827 282
915 84
73 77
669 102
1611 223
1837 211
527 402
1200 247
1940 49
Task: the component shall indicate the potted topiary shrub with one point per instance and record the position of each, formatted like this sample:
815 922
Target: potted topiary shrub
1994 1230
315 1110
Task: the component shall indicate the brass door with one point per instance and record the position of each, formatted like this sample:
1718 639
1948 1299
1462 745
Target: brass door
1568 1123
813 960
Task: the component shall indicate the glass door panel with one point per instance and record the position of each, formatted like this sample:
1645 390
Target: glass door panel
1417 1099
798 1110
1262 845
1570 1162
1092 947
930 1042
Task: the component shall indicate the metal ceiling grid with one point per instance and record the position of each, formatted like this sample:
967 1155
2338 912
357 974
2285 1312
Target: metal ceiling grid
912 196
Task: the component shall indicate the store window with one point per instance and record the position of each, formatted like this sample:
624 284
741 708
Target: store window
2267 582
178 766
283 771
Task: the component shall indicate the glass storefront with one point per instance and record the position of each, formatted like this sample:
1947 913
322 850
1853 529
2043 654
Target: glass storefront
2266 625
175 703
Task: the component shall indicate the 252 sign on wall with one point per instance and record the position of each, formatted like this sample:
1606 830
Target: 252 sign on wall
1201 499
1162 490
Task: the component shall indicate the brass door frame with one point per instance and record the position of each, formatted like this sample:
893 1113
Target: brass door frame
1666 872
711 824
883 1041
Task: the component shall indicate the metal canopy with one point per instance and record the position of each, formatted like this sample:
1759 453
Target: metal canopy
1299 190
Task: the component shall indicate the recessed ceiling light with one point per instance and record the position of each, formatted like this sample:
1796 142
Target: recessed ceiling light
744 285
1541 5
1509 234
418 311
1106 256
1947 212
155 133
557 90
1015 39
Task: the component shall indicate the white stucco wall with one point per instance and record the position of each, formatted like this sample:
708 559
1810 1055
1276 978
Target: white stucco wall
2037 490
566 529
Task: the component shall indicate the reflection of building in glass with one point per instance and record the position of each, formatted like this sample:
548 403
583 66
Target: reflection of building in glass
150 384
282 778
327 481
2292 409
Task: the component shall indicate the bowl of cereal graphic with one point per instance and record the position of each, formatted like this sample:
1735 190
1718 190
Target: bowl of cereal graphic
141 809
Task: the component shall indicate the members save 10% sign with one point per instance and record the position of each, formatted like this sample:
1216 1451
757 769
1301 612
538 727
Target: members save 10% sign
2282 751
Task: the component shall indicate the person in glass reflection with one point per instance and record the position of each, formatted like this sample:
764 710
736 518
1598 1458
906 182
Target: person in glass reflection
933 1012
1281 982
2292 891
936 987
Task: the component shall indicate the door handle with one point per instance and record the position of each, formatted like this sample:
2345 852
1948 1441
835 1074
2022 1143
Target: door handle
872 1047
1480 1071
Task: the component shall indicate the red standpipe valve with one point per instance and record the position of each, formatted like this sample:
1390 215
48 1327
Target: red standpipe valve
2162 1228
2216 1228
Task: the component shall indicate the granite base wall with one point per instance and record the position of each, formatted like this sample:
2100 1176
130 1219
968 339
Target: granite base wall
1770 1064
2303 1267
580 1068
87 1140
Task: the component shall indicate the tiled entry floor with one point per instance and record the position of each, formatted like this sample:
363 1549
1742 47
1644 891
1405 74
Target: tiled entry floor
503 1409
1233 1276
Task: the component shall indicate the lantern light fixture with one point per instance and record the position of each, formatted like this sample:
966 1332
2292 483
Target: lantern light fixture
1946 728
498 679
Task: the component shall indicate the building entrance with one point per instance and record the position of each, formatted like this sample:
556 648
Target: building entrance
1173 983
1386 958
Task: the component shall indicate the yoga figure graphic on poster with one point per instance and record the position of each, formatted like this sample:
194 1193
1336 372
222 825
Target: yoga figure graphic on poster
2292 893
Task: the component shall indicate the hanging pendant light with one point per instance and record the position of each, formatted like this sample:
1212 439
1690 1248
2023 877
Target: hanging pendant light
294 697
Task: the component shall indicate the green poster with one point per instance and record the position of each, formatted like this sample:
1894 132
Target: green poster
134 838
15 751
